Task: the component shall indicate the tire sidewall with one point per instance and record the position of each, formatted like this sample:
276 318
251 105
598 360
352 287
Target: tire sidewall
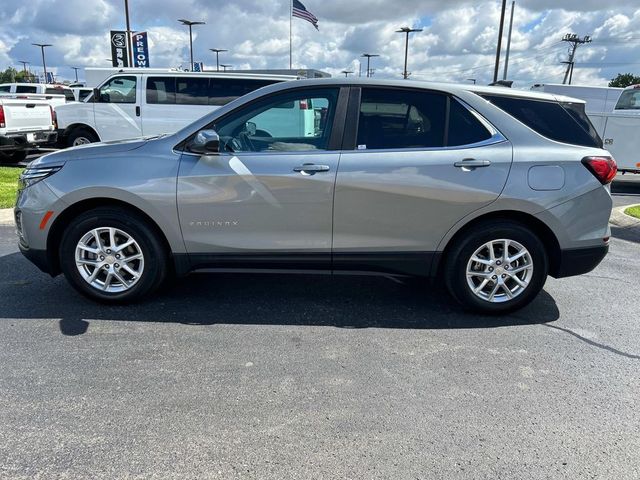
81 132
154 258
457 266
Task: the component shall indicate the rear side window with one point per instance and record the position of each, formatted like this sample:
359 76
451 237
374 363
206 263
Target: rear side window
199 91
224 90
68 94
5 89
394 118
192 91
464 127
550 119
26 89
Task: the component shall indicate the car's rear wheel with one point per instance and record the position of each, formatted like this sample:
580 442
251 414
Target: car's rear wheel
497 267
112 255
81 136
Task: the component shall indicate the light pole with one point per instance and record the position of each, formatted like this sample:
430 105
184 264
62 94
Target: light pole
44 65
407 31
76 71
499 46
224 67
190 24
129 46
346 72
217 51
368 57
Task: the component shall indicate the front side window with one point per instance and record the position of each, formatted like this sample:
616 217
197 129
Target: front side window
395 118
295 121
119 90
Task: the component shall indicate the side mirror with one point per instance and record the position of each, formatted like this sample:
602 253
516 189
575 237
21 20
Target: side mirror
96 95
205 142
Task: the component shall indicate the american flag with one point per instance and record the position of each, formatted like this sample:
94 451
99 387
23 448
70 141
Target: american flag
300 11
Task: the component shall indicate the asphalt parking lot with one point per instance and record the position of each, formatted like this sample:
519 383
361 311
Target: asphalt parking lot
261 376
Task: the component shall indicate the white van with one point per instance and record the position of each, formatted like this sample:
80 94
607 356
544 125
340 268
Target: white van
598 99
152 102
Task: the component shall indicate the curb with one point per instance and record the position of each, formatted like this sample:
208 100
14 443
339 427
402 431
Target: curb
621 219
6 216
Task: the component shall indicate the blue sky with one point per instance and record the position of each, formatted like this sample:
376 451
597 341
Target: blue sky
457 43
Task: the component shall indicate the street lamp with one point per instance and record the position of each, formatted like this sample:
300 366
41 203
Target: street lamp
217 51
346 72
44 65
76 70
190 24
224 67
407 31
368 57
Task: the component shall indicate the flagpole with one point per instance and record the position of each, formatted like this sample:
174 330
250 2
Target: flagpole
290 34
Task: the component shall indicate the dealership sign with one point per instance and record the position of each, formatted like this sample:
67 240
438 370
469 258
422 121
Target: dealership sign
119 53
140 42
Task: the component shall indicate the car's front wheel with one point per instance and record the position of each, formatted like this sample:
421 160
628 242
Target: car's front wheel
112 255
497 267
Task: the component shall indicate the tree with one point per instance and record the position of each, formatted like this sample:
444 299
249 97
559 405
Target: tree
9 75
624 80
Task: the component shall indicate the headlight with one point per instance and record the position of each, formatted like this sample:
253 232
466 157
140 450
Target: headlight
33 175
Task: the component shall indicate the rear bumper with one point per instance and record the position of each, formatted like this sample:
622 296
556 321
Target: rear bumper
577 261
20 141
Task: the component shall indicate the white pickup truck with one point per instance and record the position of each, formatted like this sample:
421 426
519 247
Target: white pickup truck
56 95
24 123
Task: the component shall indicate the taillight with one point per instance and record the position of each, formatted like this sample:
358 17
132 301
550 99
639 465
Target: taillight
2 121
54 117
603 168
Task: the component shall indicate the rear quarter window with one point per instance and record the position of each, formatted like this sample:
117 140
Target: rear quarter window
555 121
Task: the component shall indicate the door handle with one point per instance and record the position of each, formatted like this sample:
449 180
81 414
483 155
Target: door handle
311 168
472 163
137 111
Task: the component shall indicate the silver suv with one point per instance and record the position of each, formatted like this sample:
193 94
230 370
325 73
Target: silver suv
490 189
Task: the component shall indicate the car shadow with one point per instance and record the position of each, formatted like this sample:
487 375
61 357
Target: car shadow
258 299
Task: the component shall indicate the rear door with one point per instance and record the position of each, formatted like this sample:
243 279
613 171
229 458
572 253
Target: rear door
117 109
418 162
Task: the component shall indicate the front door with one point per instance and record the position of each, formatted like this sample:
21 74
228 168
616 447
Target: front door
117 109
268 195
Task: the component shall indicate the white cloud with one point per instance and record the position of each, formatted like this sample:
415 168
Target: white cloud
458 41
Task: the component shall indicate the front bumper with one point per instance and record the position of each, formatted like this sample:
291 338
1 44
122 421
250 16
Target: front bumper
577 261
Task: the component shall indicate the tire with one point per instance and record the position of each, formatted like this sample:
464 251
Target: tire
14 157
81 136
531 268
80 265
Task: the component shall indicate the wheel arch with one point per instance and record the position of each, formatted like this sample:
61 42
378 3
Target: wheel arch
77 126
56 231
539 228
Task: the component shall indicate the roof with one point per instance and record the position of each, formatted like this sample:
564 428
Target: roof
452 88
